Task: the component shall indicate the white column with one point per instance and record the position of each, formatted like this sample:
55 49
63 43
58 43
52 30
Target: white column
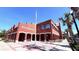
17 37
35 36
45 37
25 38
39 37
31 37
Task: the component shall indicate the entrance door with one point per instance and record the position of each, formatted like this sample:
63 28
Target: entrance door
28 37
37 37
48 37
33 37
21 37
42 37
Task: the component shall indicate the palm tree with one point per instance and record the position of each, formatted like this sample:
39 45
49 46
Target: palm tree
75 11
68 19
75 25
75 14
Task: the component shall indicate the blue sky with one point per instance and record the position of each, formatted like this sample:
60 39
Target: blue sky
12 15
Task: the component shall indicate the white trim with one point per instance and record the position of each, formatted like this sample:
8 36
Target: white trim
21 32
31 37
55 25
25 38
45 33
17 41
26 32
30 33
12 33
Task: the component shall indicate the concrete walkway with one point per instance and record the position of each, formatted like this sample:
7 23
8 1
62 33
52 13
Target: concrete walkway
62 46
35 46
40 46
21 46
4 47
55 46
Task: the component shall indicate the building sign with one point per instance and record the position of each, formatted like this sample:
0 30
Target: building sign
28 28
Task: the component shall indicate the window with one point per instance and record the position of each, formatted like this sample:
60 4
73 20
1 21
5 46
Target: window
47 26
42 27
52 26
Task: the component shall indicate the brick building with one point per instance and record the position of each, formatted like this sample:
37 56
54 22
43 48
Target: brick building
44 31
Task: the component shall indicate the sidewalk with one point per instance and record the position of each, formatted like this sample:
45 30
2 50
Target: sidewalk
4 47
55 46
64 45
35 46
41 46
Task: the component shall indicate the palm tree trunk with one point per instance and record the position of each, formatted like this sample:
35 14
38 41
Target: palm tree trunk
70 29
75 25
71 33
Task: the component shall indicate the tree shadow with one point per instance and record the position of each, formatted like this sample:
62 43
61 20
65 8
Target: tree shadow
56 49
63 45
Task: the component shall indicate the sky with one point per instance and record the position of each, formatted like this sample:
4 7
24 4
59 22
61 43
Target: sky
13 15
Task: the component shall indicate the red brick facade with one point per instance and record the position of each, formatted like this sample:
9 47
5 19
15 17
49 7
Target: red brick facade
44 31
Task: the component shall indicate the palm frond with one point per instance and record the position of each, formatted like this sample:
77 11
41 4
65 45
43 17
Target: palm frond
70 18
66 15
62 21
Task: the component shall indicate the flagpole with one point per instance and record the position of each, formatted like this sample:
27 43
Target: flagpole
35 23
